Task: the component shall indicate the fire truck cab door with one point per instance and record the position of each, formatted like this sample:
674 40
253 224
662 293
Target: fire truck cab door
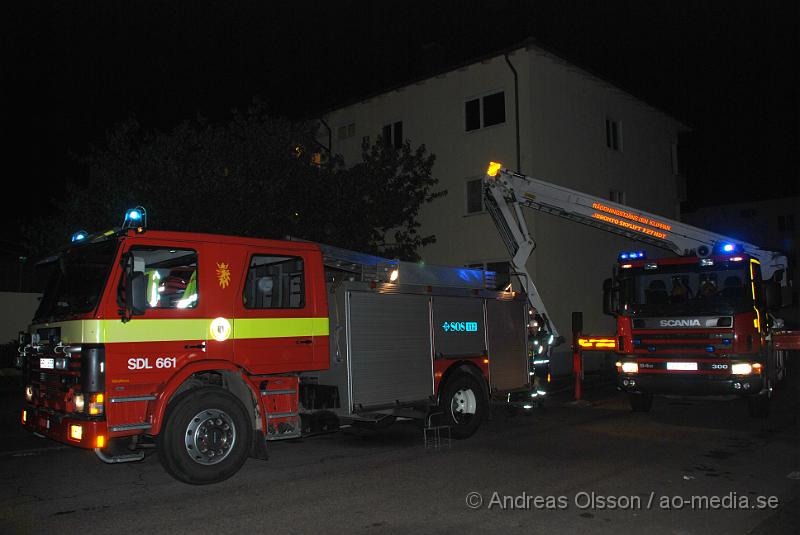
148 349
274 323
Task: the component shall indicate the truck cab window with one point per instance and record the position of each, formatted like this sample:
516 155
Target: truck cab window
171 276
274 282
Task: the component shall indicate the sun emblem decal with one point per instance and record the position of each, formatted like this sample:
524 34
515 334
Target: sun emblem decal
223 274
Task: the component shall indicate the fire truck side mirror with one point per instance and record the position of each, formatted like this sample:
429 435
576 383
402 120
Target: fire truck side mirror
134 290
610 297
136 293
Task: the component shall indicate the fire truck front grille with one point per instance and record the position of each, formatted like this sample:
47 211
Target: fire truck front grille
691 342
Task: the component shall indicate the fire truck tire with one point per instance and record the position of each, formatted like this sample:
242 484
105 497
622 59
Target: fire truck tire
641 402
206 436
462 405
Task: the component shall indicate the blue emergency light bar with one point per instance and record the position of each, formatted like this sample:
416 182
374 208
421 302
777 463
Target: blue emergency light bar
632 255
728 247
78 236
135 218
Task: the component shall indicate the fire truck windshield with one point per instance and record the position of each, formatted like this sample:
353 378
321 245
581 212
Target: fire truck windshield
76 279
679 289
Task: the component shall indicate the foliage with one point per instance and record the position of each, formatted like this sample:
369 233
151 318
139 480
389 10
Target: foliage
255 175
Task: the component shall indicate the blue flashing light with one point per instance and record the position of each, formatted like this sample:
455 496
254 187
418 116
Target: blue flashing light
631 255
728 247
135 218
710 349
637 341
726 341
651 349
80 235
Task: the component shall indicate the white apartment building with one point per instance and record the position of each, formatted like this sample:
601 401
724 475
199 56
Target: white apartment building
540 115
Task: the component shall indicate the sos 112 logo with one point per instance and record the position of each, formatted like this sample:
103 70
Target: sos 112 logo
460 326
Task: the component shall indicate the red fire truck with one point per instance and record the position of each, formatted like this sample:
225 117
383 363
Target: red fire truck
699 323
215 345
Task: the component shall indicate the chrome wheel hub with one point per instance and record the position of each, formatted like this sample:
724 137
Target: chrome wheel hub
463 405
210 436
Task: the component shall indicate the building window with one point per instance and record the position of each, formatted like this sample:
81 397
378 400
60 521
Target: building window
392 135
786 223
614 135
346 131
274 282
474 196
485 111
617 196
502 272
676 164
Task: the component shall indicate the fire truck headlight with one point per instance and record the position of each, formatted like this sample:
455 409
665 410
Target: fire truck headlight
630 367
79 402
29 393
76 432
393 275
741 368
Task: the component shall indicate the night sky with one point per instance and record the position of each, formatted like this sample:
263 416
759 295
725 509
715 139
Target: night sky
74 68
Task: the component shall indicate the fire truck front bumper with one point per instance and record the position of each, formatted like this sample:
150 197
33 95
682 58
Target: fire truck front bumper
690 384
69 430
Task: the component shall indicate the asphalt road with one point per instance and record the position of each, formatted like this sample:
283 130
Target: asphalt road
600 468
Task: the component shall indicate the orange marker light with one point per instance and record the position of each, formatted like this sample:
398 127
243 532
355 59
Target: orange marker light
486 361
24 417
100 441
597 343
494 167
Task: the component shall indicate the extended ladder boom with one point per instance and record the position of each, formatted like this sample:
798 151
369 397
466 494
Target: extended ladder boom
505 192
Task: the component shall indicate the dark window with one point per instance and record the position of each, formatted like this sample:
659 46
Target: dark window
474 196
472 112
386 135
617 196
613 135
171 276
494 109
398 134
392 135
748 212
486 111
274 282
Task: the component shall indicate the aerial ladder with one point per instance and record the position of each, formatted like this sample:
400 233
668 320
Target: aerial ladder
506 193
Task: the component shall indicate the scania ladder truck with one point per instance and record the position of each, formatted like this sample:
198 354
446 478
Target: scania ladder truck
698 323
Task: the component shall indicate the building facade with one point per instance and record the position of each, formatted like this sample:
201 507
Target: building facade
545 117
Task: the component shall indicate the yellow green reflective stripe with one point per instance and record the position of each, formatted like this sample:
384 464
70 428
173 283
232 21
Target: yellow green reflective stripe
277 327
173 330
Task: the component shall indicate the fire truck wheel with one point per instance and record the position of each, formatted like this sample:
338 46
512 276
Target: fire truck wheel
206 436
641 402
462 405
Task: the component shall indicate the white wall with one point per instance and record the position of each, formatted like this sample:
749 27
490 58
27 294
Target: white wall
16 312
562 129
